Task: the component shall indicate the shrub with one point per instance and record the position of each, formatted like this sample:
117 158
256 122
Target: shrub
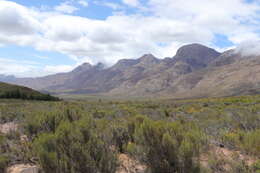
120 137
170 147
75 148
250 142
247 141
256 166
3 163
45 149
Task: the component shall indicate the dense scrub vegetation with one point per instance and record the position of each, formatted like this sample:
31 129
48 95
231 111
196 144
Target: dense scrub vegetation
9 91
168 136
3 155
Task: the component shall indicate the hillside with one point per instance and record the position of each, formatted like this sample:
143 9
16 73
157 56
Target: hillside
18 92
195 71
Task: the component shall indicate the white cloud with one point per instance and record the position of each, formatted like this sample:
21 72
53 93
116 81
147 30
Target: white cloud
114 6
83 3
133 3
58 68
169 25
231 18
65 7
16 19
249 48
9 66
30 69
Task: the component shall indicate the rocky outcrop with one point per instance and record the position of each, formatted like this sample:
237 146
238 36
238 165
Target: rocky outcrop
129 165
8 127
23 168
224 158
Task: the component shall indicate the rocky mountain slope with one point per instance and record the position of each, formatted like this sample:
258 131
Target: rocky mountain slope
195 71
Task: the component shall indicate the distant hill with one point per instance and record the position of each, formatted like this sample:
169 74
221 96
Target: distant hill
195 71
18 92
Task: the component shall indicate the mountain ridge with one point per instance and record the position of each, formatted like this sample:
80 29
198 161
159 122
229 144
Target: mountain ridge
194 71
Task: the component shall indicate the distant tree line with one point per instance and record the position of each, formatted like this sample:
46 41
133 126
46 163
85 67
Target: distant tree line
19 94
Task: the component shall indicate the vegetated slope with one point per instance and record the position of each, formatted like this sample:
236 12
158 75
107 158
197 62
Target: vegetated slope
195 71
19 92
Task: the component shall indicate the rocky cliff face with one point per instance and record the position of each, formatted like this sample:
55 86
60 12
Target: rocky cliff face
195 71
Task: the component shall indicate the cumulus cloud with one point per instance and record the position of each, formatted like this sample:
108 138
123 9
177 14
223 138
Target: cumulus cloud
133 3
9 66
62 28
65 7
249 48
30 68
169 25
83 3
114 6
58 68
16 19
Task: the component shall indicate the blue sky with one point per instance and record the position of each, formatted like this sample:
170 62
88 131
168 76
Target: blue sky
89 11
41 37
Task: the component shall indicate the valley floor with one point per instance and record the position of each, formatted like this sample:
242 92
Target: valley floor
209 135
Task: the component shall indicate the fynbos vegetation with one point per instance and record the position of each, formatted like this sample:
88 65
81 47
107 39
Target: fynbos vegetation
168 136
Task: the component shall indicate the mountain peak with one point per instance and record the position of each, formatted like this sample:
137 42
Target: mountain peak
82 67
195 48
124 63
196 55
149 55
99 65
86 64
148 59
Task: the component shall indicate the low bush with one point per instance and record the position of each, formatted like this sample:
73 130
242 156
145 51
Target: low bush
75 148
170 147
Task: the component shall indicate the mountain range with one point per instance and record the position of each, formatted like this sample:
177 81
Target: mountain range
195 71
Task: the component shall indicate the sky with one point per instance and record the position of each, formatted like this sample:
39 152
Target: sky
41 37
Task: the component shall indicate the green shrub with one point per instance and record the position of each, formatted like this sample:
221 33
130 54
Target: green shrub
256 166
250 142
170 147
3 163
247 141
75 148
45 149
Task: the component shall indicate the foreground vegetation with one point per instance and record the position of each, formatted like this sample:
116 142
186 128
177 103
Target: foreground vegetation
168 136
